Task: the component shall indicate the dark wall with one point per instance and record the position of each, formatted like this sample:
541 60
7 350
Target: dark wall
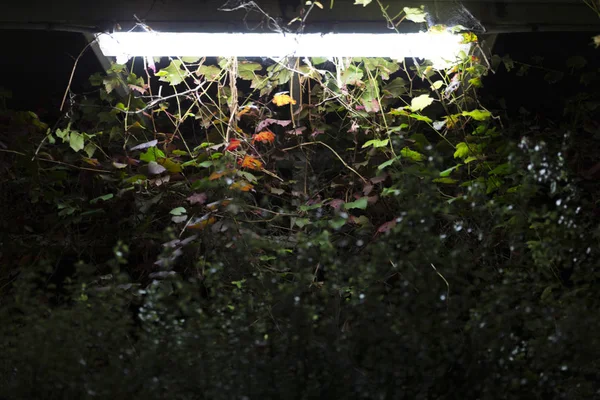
36 65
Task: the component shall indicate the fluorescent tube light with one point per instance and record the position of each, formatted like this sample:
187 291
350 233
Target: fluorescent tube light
428 45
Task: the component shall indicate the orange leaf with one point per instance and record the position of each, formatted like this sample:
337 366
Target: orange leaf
264 137
242 186
216 175
251 163
233 144
281 99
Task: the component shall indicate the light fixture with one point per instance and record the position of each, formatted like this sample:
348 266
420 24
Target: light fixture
435 46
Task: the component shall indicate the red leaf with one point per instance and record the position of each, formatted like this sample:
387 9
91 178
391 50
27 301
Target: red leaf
233 144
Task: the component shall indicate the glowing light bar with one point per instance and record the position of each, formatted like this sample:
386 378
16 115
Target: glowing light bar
428 45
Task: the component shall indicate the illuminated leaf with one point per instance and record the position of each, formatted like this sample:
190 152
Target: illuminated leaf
411 154
154 168
190 60
416 15
233 144
90 149
420 102
396 87
277 191
211 72
420 117
448 171
146 145
376 143
462 150
360 204
445 180
246 70
92 161
242 186
363 3
171 166
596 40
436 85
282 99
251 163
352 75
264 137
202 223
178 211
152 154
216 175
76 141
248 176
173 74
469 37
477 115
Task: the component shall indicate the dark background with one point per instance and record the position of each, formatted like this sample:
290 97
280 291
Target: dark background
36 65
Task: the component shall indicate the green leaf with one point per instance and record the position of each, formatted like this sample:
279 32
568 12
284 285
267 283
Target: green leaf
173 74
462 150
178 211
337 223
436 85
247 70
206 164
448 171
477 115
502 169
420 102
248 176
152 154
396 87
103 198
445 180
386 164
420 117
211 72
318 60
411 154
417 15
360 204
352 75
302 222
90 149
190 60
376 143
76 141
493 184
470 159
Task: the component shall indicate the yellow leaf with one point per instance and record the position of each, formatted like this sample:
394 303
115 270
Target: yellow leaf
282 99
170 165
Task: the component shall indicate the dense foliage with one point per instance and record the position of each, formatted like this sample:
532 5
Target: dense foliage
380 235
